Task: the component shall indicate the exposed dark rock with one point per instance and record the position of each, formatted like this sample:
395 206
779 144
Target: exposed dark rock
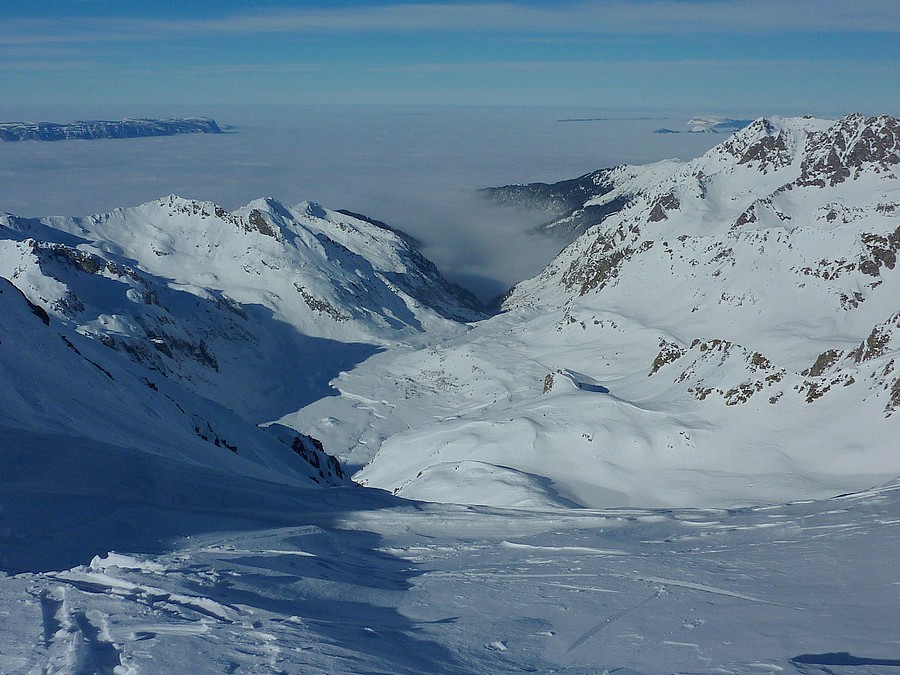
548 382
313 452
845 149
661 206
600 266
321 306
260 224
882 251
668 353
760 144
876 344
768 152
894 400
564 200
39 312
824 361
558 198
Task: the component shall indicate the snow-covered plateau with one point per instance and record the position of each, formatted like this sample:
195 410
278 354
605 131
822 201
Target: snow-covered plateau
674 450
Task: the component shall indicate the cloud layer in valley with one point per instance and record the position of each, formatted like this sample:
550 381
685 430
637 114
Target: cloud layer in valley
417 168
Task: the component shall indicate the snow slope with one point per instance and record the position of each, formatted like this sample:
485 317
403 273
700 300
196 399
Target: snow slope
139 548
61 388
173 332
325 272
580 203
268 300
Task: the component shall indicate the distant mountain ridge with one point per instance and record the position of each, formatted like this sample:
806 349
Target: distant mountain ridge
94 129
709 124
580 203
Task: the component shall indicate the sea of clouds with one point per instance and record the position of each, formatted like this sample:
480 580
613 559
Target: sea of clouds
416 168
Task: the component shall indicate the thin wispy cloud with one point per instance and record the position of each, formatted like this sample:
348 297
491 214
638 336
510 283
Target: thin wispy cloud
611 16
597 18
38 66
636 53
569 66
258 68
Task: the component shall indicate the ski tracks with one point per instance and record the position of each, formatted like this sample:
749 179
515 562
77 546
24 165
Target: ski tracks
76 641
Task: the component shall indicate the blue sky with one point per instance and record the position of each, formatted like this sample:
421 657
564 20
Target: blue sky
699 55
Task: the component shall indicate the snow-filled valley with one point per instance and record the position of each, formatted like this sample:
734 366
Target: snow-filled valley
674 450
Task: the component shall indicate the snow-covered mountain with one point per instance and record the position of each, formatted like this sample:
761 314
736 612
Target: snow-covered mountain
93 129
267 299
67 395
175 328
709 124
578 204
730 335
323 271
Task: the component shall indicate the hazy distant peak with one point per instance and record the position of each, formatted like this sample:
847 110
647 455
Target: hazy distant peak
130 127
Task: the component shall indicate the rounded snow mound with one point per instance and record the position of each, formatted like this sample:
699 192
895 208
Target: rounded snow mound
480 483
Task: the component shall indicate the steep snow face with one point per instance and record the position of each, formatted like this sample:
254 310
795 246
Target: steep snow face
754 236
582 202
728 336
68 396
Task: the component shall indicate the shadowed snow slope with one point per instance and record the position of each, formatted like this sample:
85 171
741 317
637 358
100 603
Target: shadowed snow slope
229 574
257 309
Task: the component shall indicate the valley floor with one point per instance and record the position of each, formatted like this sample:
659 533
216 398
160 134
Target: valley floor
354 581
